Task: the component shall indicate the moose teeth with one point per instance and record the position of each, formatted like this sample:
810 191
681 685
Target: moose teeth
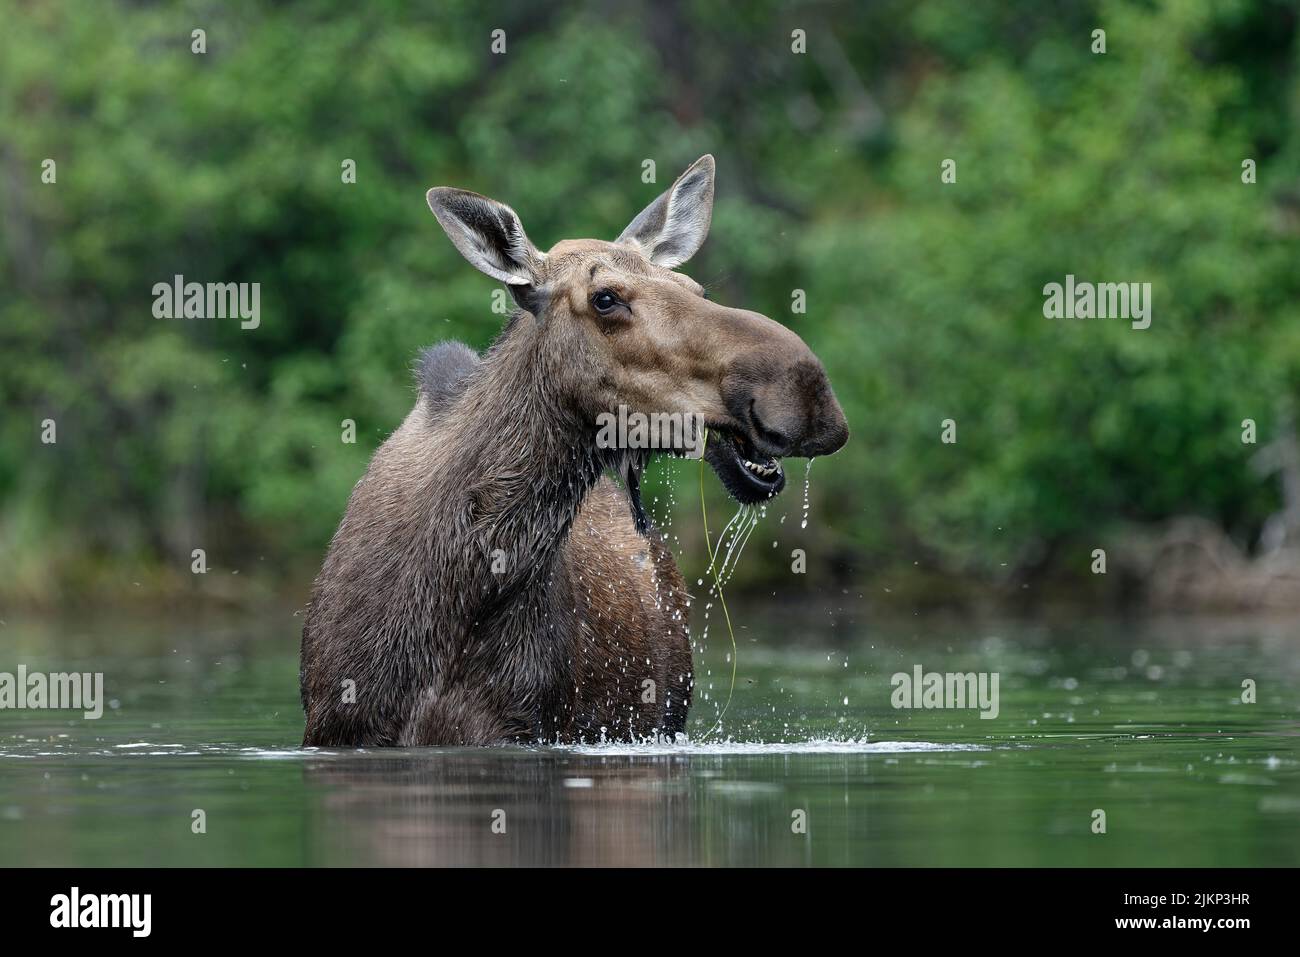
762 470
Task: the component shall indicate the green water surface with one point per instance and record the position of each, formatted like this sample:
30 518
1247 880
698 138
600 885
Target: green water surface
1143 721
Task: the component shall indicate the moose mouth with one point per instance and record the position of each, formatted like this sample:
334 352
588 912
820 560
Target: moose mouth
749 475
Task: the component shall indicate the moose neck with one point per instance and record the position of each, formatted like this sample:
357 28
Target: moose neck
529 454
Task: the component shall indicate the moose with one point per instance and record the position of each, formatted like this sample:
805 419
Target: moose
490 582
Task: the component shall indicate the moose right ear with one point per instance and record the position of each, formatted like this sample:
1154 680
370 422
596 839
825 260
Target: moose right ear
671 229
488 234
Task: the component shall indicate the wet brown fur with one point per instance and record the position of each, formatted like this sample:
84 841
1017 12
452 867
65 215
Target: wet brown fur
445 650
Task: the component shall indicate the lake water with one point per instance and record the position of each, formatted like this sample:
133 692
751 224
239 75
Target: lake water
1143 721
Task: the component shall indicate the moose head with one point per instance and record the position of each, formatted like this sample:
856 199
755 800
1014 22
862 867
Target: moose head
632 331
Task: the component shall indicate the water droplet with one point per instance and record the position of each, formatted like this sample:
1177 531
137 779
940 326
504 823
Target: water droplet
807 481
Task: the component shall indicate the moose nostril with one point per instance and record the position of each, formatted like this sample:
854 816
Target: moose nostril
780 442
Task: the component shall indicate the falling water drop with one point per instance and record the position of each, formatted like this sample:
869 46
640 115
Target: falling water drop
807 480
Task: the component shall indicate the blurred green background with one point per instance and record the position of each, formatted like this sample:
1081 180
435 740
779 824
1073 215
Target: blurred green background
923 298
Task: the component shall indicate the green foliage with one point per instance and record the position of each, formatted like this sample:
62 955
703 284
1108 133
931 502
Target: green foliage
925 298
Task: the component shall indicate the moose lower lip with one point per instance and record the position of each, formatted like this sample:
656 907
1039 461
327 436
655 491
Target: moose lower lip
748 474
765 468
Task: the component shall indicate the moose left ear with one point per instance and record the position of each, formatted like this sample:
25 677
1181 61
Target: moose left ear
488 234
673 227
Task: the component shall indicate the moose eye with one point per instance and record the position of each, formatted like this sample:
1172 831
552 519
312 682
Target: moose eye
604 302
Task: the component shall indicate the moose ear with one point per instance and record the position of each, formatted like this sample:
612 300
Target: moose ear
673 227
488 234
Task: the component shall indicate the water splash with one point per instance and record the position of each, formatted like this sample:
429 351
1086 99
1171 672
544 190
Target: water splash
816 746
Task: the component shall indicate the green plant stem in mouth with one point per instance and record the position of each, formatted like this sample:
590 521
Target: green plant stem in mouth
717 582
